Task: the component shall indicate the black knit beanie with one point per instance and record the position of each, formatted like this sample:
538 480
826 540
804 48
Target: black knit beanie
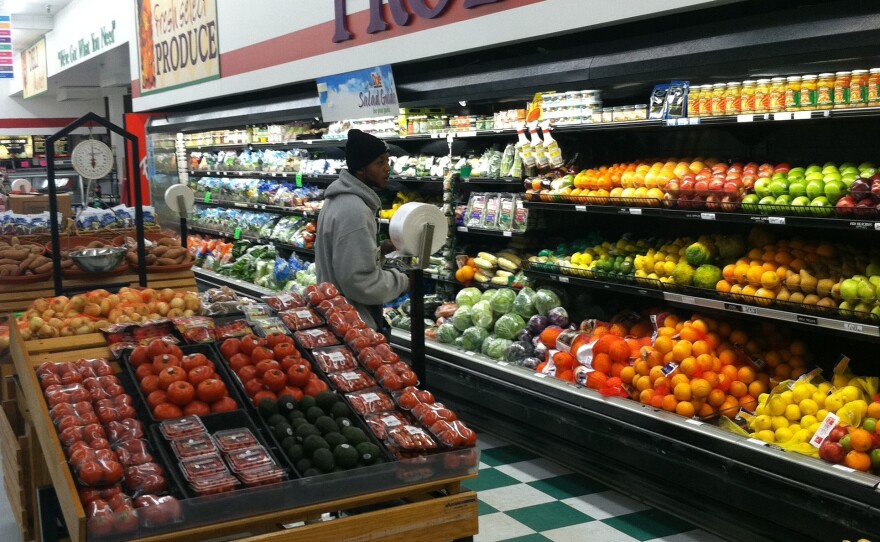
361 149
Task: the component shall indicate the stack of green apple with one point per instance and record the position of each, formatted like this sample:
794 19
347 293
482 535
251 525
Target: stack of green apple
860 294
810 191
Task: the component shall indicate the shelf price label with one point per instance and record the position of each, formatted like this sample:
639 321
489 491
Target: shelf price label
688 299
745 118
707 216
237 234
777 220
853 327
580 208
207 197
462 229
563 279
635 211
781 116
802 115
807 320
299 179
507 234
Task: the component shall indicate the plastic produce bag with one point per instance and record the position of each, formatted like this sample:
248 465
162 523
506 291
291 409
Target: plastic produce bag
524 303
481 314
467 297
502 303
473 338
509 326
462 318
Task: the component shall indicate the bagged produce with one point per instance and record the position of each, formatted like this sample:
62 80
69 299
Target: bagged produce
473 338
467 297
462 318
502 303
509 325
524 303
482 315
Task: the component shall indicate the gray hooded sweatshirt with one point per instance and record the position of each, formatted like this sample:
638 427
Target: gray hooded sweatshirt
346 252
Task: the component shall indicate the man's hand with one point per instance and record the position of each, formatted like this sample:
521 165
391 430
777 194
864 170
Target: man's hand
387 247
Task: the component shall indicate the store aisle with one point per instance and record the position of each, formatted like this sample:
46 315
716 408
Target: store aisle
524 497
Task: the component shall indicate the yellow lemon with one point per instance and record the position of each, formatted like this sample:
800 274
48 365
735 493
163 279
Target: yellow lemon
850 393
820 414
778 421
802 435
776 406
819 398
808 420
808 406
783 434
762 422
793 413
833 402
766 436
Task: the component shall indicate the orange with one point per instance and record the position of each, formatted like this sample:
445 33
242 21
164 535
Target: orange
644 383
685 408
727 357
756 388
740 273
619 329
700 388
641 367
748 402
729 273
754 275
549 335
645 396
603 345
663 344
746 375
738 337
706 362
682 392
782 371
677 379
706 411
713 340
619 352
716 398
772 358
596 379
669 403
602 363
566 375
730 372
738 389
712 378
681 350
700 347
701 326
616 368
465 274
874 410
657 400
655 358
723 286
655 373
860 440
563 361
688 366
857 460
690 333
729 407
724 330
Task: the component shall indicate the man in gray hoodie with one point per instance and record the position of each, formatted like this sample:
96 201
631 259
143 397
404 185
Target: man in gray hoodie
346 250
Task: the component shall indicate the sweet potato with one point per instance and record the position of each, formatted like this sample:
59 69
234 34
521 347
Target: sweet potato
132 257
15 254
168 242
45 268
159 251
173 253
166 261
26 263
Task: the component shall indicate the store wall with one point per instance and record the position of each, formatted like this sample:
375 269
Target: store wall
269 43
40 114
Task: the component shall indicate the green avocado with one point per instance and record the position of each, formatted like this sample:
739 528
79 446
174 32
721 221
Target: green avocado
267 408
305 430
334 440
313 413
340 410
276 419
346 456
313 443
354 435
295 453
306 403
325 424
326 400
323 459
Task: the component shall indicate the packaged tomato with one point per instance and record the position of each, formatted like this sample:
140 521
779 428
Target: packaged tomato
370 401
453 434
301 318
315 293
182 427
411 396
334 304
285 301
316 338
396 376
216 483
154 510
358 339
95 467
410 437
133 452
342 321
195 329
353 380
146 478
261 475
231 330
268 325
187 447
234 439
201 466
380 423
335 358
109 411
248 458
125 429
70 393
430 413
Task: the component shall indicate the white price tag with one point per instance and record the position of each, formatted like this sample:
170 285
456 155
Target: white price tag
670 122
284 175
876 226
239 204
749 310
745 118
508 234
241 173
580 208
754 442
707 216
635 211
462 228
693 422
435 136
540 375
563 279
688 299
844 468
694 120
802 115
782 116
855 328
468 352
777 220
503 363
467 134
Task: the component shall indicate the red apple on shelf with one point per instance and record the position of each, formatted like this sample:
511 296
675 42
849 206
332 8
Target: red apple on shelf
736 166
713 202
782 168
837 433
687 185
845 205
701 187
831 451
716 185
731 187
860 189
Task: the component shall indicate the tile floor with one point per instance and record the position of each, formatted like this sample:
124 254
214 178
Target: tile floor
526 498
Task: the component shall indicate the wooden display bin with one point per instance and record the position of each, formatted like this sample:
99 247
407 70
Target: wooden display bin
421 500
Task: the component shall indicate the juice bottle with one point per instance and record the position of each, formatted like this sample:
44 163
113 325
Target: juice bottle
693 109
808 93
538 147
762 96
551 147
858 88
705 100
793 93
747 97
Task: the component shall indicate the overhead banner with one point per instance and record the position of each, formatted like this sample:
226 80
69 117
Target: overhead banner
34 70
177 43
359 94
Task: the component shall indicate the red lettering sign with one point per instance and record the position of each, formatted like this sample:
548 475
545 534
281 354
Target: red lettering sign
399 12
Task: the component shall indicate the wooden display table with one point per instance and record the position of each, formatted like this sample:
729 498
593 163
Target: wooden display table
17 296
434 506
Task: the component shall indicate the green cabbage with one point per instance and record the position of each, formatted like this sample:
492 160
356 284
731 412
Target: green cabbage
546 300
462 318
481 314
502 303
467 297
524 304
489 295
473 337
447 333
496 347
509 326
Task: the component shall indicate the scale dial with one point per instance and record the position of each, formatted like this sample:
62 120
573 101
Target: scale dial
92 159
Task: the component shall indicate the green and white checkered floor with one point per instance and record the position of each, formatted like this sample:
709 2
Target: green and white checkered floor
524 497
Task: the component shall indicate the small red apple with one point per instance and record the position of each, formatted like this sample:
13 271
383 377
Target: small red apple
831 451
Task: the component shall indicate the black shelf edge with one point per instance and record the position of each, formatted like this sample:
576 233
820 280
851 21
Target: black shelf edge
493 233
852 329
261 207
262 240
712 216
286 175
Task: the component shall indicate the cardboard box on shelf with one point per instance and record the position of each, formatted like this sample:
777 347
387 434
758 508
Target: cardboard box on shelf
32 204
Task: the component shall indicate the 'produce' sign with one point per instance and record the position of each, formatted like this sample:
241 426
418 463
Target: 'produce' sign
177 43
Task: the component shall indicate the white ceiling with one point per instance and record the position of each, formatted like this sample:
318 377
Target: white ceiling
31 19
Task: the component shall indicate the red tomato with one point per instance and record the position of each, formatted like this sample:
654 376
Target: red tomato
89 473
224 404
139 356
144 370
167 411
211 390
181 393
100 444
261 353
407 400
156 398
149 384
114 390
250 342
165 361
274 339
409 378
71 378
299 373
192 361
126 520
157 348
266 365
238 361
246 373
49 379
93 431
70 435
87 495
230 347
253 386
199 374
174 350
170 375
290 361
106 415
392 382
265 394
197 408
291 391
314 387
111 472
275 379
125 411
282 350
